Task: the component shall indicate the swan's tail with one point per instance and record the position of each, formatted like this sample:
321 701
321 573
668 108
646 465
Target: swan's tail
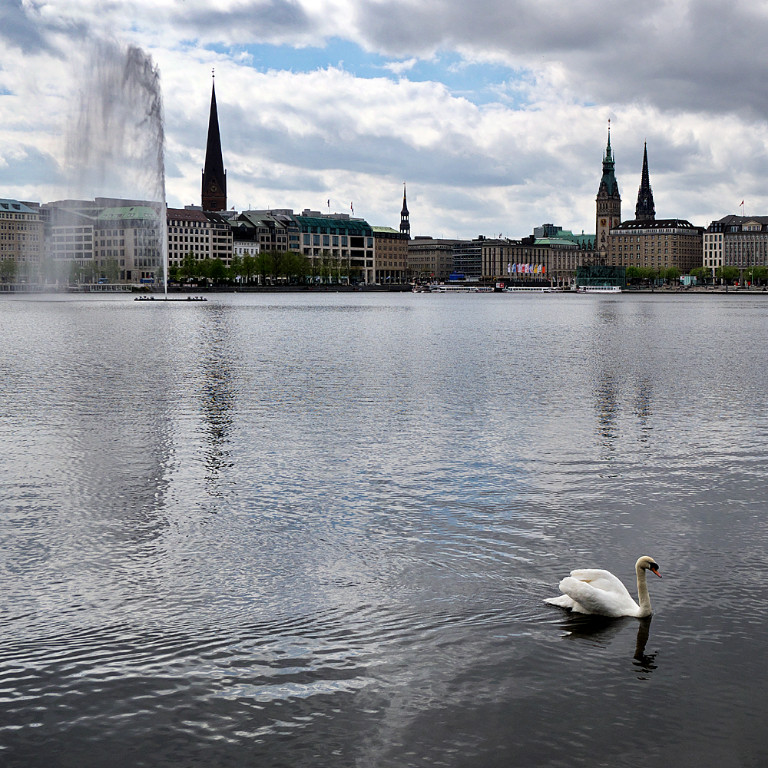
563 601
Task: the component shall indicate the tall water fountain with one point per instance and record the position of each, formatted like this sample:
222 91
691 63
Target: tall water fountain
116 140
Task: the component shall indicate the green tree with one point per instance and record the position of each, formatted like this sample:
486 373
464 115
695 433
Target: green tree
727 274
295 266
189 266
702 274
249 268
670 274
235 268
216 271
757 275
265 266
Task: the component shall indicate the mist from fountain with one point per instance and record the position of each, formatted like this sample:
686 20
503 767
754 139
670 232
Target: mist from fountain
116 141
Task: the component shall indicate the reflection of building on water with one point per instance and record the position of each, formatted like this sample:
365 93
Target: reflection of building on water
607 406
217 395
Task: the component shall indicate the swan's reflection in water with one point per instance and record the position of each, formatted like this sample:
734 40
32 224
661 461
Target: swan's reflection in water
602 631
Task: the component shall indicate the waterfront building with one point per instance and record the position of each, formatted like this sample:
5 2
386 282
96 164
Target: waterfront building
659 244
189 236
337 244
738 241
21 240
712 247
608 203
266 231
430 259
199 235
70 235
468 258
646 242
390 249
110 239
214 182
551 253
498 255
129 238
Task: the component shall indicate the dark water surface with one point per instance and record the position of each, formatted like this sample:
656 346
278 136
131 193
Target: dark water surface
318 530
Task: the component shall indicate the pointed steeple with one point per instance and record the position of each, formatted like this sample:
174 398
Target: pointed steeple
609 187
214 188
645 210
608 208
405 224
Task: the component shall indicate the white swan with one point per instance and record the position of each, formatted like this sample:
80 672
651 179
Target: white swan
595 591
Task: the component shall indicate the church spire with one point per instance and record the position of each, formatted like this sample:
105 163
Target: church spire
405 224
645 210
214 188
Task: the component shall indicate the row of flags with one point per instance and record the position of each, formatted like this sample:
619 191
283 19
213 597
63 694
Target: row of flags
526 269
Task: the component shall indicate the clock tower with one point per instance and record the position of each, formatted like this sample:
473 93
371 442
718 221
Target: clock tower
214 191
608 203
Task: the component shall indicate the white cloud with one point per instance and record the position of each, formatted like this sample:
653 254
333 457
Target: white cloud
687 77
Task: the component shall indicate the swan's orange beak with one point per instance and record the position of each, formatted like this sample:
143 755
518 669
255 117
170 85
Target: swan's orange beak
656 571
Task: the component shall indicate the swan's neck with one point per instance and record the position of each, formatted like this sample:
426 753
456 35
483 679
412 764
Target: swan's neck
642 592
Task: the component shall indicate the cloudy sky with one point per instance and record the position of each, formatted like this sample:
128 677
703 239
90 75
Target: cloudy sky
494 112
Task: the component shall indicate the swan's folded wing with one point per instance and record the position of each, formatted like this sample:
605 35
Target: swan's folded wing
601 579
590 599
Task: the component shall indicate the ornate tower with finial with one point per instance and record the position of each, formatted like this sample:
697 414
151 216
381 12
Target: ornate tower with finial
645 210
608 201
405 223
214 190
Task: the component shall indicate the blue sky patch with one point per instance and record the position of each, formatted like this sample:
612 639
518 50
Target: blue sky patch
480 83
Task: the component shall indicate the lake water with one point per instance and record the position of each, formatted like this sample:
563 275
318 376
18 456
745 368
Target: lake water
318 530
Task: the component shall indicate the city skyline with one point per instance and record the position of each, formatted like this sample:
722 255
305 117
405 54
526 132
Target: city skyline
495 115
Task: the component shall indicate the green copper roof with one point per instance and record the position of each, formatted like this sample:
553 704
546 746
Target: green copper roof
334 226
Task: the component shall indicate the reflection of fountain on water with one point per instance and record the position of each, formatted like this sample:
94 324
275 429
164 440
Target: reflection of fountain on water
116 143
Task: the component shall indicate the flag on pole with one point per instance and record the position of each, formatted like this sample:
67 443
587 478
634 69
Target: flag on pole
352 208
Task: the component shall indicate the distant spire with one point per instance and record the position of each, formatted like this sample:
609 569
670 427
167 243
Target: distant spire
214 187
645 210
608 184
405 224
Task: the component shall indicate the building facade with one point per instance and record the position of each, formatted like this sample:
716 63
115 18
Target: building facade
738 241
430 259
339 245
390 249
21 240
272 231
659 244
